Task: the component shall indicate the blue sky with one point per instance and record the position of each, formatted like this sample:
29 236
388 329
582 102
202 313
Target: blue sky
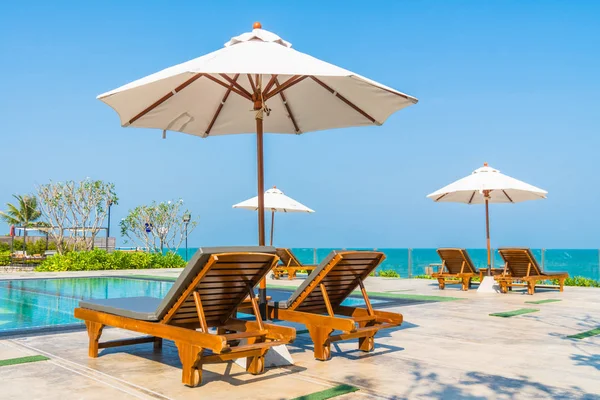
508 82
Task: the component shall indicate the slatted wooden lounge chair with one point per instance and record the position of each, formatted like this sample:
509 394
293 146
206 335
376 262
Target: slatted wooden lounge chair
323 292
206 295
521 266
290 265
456 265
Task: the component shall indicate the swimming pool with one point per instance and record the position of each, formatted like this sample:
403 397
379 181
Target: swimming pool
33 304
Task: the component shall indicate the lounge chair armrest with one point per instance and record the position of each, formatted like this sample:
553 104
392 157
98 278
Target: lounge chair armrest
381 316
342 324
275 332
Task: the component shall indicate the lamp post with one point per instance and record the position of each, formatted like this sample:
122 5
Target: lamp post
109 204
186 220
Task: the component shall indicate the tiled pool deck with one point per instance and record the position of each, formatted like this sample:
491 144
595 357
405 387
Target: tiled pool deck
443 350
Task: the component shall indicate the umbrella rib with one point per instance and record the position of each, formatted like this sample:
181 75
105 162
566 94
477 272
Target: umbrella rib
214 119
441 197
251 83
471 199
285 85
287 107
507 196
164 98
237 85
270 84
345 100
226 86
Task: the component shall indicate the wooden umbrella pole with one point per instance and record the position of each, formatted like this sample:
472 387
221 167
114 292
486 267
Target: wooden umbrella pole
272 225
258 107
487 231
261 183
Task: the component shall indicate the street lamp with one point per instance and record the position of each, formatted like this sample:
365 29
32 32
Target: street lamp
109 204
186 221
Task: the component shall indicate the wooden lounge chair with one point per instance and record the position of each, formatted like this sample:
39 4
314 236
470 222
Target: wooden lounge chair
456 265
323 292
206 295
521 266
290 264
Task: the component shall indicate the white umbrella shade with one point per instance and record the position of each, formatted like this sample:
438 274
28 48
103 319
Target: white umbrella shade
257 76
487 185
275 201
502 189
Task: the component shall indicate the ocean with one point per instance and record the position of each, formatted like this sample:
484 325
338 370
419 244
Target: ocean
412 262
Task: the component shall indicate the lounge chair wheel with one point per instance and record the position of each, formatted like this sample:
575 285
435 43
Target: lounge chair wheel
196 378
256 365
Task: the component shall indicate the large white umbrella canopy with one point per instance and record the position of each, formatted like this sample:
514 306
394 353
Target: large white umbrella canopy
257 76
275 201
214 94
487 185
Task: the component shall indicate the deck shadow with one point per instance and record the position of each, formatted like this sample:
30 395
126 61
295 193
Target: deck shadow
169 356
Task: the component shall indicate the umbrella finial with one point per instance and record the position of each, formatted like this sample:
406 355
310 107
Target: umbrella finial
257 25
485 164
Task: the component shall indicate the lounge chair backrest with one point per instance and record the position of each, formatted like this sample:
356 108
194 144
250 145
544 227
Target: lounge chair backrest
453 260
518 261
222 276
340 272
288 258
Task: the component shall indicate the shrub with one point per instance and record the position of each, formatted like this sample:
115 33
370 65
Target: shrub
4 258
579 281
95 260
37 247
423 277
390 273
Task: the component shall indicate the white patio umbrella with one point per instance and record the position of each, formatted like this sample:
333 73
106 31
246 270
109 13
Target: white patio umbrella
256 77
487 185
274 200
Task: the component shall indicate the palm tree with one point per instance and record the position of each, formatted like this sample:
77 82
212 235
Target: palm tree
24 214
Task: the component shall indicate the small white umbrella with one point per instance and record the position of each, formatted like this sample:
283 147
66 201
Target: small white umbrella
487 185
274 200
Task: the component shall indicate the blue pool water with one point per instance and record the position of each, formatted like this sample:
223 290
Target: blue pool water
411 262
44 303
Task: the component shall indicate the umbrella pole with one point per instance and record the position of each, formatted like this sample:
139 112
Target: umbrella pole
272 225
262 289
487 231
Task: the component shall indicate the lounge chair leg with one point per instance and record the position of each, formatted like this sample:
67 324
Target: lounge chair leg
291 274
466 283
503 287
191 357
531 287
158 342
94 330
256 364
366 344
561 284
320 338
442 283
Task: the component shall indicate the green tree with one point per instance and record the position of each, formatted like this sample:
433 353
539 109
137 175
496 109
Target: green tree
78 208
158 226
24 213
